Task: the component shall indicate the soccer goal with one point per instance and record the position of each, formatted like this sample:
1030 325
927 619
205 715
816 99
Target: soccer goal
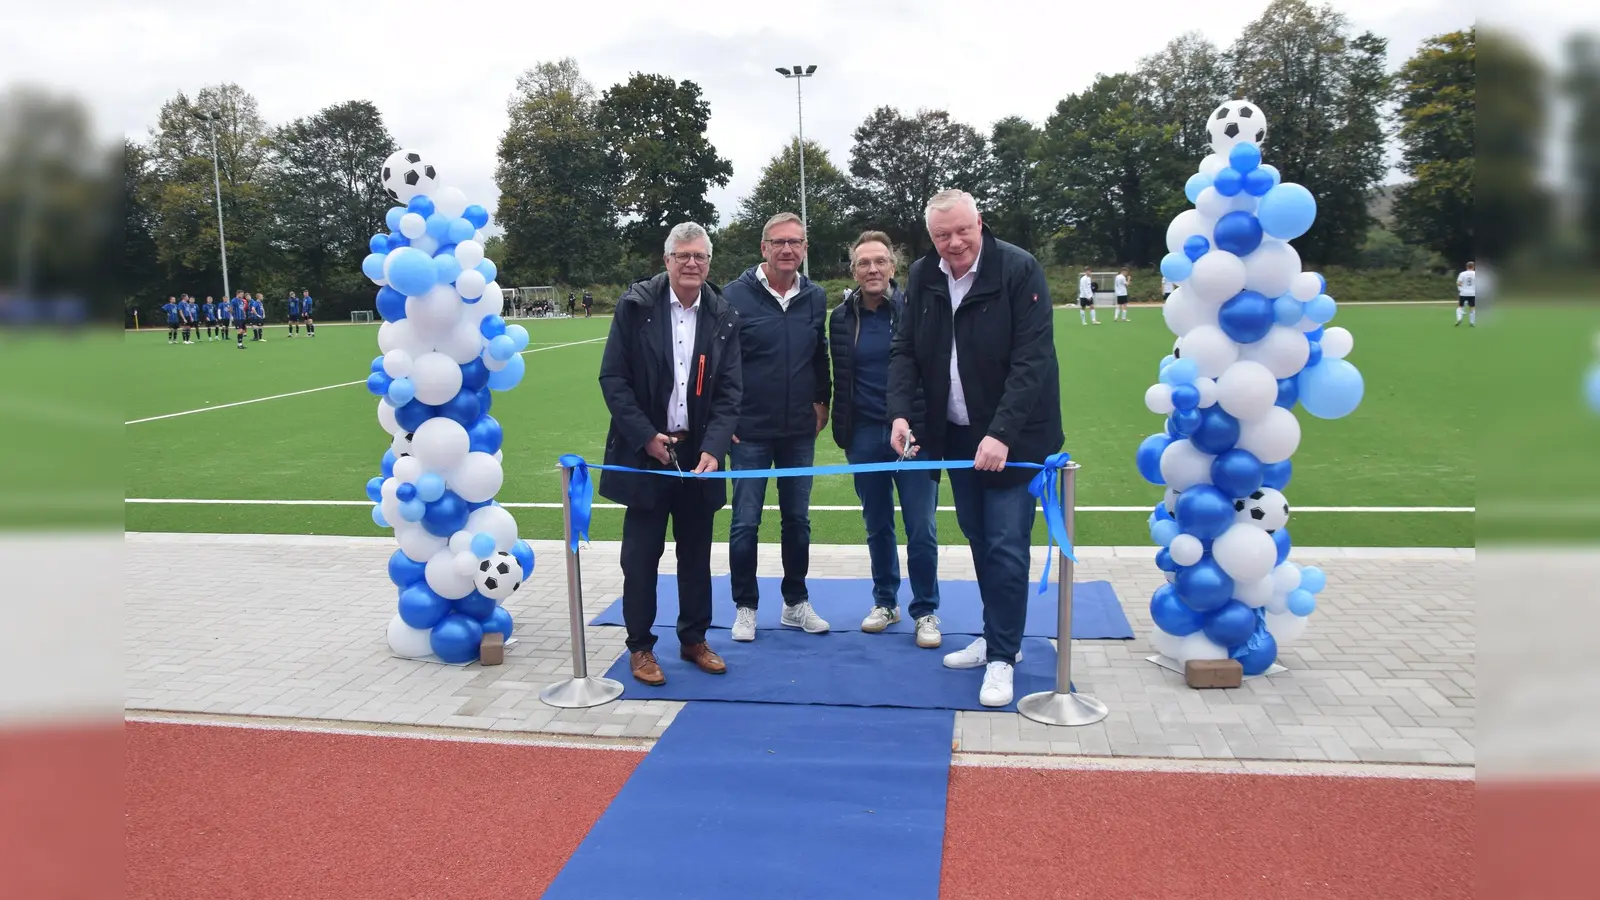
360 316
1105 288
537 302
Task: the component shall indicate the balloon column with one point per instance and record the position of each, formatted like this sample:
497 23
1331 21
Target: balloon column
444 351
1252 344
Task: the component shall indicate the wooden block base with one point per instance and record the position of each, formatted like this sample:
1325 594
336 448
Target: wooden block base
492 650
1213 673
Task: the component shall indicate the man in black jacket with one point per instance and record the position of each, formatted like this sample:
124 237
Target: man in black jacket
860 331
784 347
671 379
978 341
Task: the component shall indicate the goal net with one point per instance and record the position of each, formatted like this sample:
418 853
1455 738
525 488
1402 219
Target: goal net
360 315
535 301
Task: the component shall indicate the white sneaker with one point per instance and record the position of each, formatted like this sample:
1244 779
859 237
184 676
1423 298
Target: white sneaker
744 624
976 654
880 618
996 690
801 615
928 635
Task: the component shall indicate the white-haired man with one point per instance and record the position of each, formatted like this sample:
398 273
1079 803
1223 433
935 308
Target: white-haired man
671 379
977 341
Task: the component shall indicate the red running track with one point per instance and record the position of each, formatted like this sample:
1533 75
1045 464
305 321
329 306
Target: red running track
216 812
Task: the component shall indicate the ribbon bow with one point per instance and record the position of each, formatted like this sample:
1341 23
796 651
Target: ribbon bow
1046 486
580 494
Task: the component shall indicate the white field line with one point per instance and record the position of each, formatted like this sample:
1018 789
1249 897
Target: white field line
175 501
190 412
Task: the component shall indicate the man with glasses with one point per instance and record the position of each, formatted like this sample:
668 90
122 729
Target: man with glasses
783 340
859 334
670 378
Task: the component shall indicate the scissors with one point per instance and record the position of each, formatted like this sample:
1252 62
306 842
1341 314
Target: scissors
911 448
672 455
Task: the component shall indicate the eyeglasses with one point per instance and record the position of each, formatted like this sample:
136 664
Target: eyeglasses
880 263
788 242
691 257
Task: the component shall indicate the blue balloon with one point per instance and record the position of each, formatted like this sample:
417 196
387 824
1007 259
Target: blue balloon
1172 615
375 488
413 414
391 304
1287 211
485 398
1244 157
414 509
1281 538
411 271
475 375
1229 182
1196 247
462 408
1183 371
1258 181
476 607
499 622
1172 429
398 240
1164 556
405 571
1312 579
1277 475
1332 389
386 466
376 364
1185 421
1315 334
1286 310
449 249
502 348
420 607
1197 182
1302 602
1218 431
1204 586
438 227
510 376
1162 533
476 214
1591 388
1204 511
1315 356
421 205
1148 457
483 545
519 336
1236 473
372 265
446 267
379 243
406 492
460 230
485 436
492 327
1247 317
1288 392
1231 625
430 487
401 391
378 384
446 515
488 270
1185 396
1176 267
1238 232
1321 308
456 639
377 517
392 217
1258 653
524 555
1161 513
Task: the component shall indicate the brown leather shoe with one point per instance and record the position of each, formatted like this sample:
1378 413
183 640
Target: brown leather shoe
705 658
645 668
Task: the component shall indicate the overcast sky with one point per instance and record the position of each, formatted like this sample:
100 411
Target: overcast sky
441 73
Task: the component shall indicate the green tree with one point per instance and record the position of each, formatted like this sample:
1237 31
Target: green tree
656 128
1513 208
1013 181
1188 79
1321 91
827 208
144 276
1582 87
900 162
556 178
1437 91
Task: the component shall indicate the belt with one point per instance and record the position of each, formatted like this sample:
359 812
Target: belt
679 435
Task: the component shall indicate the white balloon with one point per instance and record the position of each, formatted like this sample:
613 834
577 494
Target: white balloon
427 244
407 469
1212 205
480 237
1218 276
1242 202
1186 549
1286 578
1212 164
1306 324
469 254
437 378
493 302
401 335
449 202
1254 594
397 363
1165 644
386 417
1286 627
478 478
1210 349
407 642
1184 312
1183 466
434 313
495 521
1169 499
390 488
1305 286
416 542
1198 646
1283 351
467 564
470 284
444 578
401 445
461 541
413 226
499 456
1247 390
1337 342
464 342
1273 437
441 443
391 511
1271 268
1208 392
1158 399
1186 225
1278 604
1245 552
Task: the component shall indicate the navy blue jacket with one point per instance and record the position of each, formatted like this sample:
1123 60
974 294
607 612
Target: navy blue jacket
785 358
842 333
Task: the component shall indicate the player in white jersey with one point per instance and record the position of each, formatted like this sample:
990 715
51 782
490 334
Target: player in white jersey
1467 295
1121 286
1086 298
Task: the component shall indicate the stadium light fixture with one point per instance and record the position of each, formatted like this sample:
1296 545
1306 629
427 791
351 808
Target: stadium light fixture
216 174
798 72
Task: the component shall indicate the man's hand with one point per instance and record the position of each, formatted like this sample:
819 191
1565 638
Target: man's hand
901 440
657 448
991 455
708 464
736 439
822 415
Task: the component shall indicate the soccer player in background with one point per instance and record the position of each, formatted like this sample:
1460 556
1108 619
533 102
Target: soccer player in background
171 309
1467 295
258 313
294 313
183 316
208 312
305 313
1086 298
1122 296
240 310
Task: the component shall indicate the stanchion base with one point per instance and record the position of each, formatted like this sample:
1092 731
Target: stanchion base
1052 708
581 693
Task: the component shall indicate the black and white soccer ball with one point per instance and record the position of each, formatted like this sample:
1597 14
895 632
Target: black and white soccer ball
499 576
1266 509
401 445
406 174
1234 122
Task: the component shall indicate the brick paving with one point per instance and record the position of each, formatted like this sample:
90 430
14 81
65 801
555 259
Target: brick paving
295 629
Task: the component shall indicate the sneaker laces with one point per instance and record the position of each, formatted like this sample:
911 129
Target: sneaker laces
928 621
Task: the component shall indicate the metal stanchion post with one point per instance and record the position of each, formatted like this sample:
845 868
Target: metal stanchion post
1064 706
581 690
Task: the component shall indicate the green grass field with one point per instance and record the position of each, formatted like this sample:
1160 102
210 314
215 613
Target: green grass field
1409 445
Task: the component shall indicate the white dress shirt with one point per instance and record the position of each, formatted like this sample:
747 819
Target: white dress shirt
684 323
956 409
783 298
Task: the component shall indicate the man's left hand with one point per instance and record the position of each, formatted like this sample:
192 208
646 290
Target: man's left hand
708 464
822 415
991 455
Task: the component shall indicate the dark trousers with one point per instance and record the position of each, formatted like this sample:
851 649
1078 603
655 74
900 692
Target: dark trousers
794 513
918 495
644 539
998 525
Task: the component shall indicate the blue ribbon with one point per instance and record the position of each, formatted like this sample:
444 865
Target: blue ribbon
1044 486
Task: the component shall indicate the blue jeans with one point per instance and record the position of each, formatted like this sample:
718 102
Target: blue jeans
918 495
794 512
998 524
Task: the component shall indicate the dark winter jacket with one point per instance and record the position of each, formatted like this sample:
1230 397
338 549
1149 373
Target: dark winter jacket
844 331
785 358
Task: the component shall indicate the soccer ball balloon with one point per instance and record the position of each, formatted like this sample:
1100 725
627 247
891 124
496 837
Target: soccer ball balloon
1234 122
401 445
406 174
1266 509
499 576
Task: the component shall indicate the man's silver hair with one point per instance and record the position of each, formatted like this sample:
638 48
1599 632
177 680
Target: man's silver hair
779 219
946 200
684 232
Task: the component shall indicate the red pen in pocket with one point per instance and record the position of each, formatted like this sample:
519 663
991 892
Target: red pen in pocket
700 376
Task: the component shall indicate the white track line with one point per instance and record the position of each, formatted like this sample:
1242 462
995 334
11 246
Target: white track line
1102 509
190 412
